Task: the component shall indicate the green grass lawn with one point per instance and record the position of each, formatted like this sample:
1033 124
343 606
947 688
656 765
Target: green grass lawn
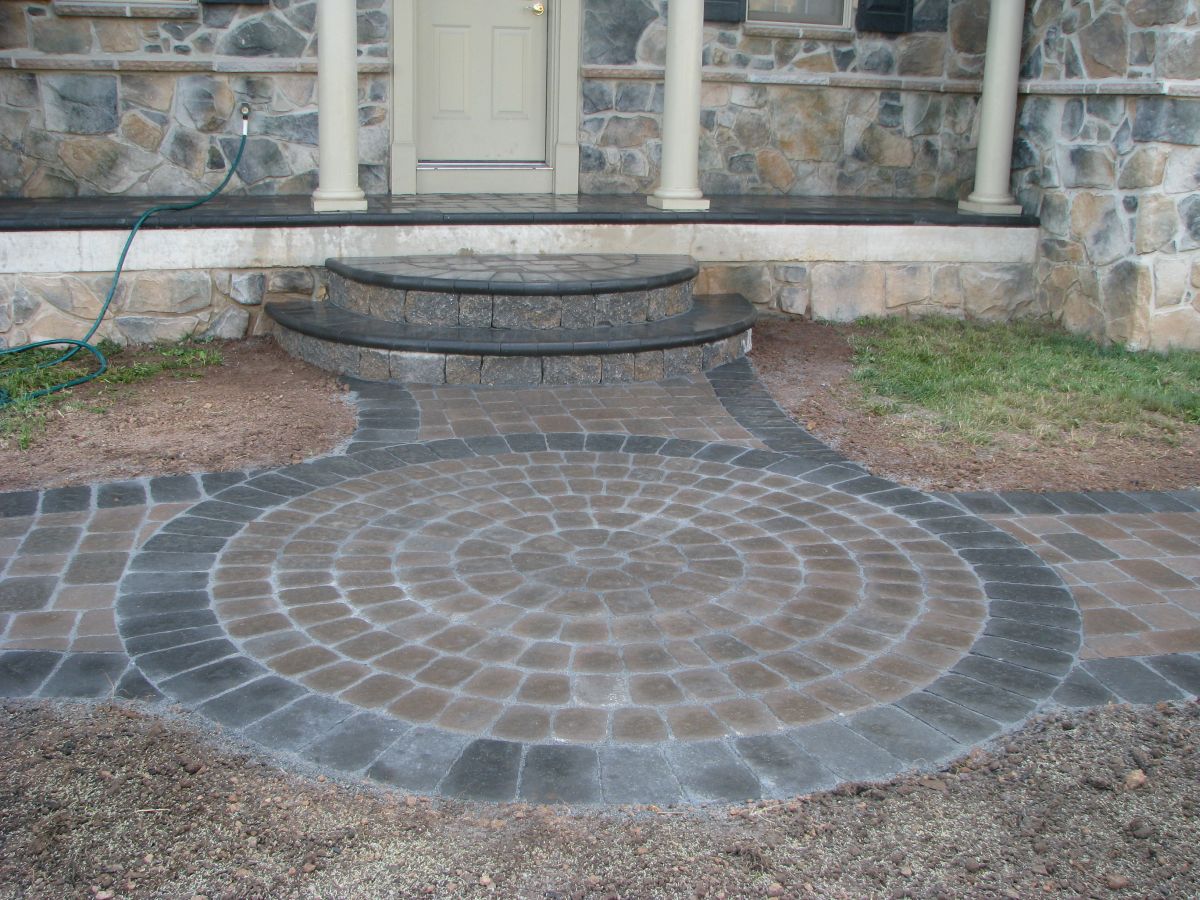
24 418
975 382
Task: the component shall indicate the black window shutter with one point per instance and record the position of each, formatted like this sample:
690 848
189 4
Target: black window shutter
888 16
724 10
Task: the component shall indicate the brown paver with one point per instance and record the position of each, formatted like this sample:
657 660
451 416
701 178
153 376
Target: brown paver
686 409
1140 600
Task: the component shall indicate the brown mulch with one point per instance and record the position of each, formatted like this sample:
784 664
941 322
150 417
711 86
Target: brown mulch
807 367
260 408
106 801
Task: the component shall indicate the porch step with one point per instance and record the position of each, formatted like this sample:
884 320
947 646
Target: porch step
715 330
515 319
515 291
520 273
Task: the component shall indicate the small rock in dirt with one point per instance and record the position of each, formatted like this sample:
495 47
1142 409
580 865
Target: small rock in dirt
1139 828
1116 882
1135 780
775 890
972 865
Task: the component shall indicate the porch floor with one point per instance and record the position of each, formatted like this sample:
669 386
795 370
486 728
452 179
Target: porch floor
487 209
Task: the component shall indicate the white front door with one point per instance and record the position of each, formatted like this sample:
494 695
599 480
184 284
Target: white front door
481 71
485 95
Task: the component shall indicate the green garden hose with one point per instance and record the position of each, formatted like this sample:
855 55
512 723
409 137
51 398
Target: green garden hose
84 343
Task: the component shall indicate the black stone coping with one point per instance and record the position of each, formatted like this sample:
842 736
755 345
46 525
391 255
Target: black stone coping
520 274
711 318
242 211
1027 648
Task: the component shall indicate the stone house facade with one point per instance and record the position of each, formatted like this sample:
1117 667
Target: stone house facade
103 97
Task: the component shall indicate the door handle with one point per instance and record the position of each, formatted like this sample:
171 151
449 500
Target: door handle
537 8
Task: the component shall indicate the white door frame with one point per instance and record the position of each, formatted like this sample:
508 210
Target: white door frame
561 173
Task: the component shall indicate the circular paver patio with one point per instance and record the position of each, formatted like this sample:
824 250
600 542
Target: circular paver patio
591 597
593 618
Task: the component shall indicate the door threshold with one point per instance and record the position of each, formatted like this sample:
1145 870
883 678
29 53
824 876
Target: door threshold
489 166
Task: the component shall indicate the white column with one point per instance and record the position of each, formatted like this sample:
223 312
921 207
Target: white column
679 187
998 112
337 107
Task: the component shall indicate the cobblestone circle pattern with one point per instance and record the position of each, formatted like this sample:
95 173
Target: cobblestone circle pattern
595 596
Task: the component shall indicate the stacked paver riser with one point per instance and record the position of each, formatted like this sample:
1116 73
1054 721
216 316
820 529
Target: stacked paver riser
407 367
516 320
510 311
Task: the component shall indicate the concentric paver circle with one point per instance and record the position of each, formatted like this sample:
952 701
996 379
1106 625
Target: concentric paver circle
600 617
591 597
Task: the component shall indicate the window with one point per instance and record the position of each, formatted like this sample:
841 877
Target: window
832 13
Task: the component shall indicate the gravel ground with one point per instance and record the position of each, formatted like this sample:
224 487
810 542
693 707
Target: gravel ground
258 408
104 801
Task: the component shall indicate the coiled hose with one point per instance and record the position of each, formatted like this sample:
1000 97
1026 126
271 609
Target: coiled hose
84 343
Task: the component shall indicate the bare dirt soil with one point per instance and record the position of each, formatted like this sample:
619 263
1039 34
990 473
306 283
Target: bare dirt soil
808 367
107 801
260 407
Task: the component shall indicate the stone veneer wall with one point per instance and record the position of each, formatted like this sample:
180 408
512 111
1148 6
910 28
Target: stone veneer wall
1112 165
1108 150
844 291
828 113
152 306
228 303
101 104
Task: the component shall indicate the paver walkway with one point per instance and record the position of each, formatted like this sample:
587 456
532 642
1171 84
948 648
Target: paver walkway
641 593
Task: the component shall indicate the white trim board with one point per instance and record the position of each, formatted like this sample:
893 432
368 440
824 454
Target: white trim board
38 252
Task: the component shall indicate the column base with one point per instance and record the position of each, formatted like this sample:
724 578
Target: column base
678 203
989 208
339 201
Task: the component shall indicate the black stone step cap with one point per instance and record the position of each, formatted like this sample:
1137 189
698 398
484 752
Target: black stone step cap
711 318
520 274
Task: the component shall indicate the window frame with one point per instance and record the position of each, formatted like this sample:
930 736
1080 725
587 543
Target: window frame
847 23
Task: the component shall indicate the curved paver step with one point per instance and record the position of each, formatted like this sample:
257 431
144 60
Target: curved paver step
713 332
711 318
519 274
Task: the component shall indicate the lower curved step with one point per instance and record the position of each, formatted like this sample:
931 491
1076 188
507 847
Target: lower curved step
715 331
